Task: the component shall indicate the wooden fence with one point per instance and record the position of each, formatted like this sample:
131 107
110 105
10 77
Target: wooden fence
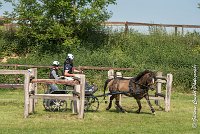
31 95
79 67
127 24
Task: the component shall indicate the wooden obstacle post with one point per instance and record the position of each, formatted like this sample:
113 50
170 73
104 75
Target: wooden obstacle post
110 74
75 103
79 104
32 89
158 87
82 97
168 92
168 81
26 94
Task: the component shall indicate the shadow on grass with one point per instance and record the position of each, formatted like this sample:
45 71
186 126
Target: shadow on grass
129 111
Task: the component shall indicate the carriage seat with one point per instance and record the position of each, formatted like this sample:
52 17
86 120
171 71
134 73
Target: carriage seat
90 89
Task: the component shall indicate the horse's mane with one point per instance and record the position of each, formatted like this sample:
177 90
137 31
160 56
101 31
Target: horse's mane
142 74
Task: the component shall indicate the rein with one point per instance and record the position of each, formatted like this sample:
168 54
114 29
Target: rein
132 80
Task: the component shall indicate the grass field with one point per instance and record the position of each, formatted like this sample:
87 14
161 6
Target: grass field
177 121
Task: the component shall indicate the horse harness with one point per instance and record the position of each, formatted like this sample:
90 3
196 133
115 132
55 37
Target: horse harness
138 90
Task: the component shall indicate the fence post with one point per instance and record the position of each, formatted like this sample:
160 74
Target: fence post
110 74
158 88
32 89
26 94
176 30
76 103
168 92
126 27
82 97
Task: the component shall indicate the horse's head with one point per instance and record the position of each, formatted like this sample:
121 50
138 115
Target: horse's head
146 79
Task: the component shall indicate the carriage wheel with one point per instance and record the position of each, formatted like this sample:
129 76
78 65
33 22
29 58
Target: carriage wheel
57 105
91 103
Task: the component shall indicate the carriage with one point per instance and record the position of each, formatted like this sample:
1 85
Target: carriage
91 101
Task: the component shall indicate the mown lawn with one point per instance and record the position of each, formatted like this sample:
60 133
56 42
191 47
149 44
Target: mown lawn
177 121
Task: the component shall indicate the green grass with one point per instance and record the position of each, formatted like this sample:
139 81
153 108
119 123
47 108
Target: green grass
177 121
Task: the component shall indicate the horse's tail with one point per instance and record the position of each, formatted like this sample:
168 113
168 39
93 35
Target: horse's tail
105 86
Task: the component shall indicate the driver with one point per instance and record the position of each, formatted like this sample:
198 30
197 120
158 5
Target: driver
69 68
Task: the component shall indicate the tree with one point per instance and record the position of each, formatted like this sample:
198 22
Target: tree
50 24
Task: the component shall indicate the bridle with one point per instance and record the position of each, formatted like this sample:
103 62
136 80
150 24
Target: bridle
147 87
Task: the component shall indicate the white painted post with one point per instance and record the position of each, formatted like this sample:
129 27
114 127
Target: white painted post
35 84
33 89
26 94
168 92
82 97
76 103
158 87
110 74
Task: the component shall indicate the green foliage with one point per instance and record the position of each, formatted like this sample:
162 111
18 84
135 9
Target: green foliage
8 42
55 26
164 52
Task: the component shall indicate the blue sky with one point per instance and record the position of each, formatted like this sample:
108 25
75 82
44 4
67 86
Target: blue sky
151 11
157 11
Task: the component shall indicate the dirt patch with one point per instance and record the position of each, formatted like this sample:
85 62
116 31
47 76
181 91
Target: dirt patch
5 59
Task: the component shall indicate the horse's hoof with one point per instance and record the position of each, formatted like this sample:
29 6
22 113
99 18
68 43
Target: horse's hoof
154 113
138 111
117 108
123 111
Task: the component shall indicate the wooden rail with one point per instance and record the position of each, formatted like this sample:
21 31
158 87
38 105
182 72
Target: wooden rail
79 67
53 81
54 96
127 24
11 86
148 24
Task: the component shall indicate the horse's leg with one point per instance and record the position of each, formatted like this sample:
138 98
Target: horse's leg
118 105
139 105
110 103
149 103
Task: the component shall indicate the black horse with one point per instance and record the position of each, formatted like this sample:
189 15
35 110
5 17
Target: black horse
136 87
